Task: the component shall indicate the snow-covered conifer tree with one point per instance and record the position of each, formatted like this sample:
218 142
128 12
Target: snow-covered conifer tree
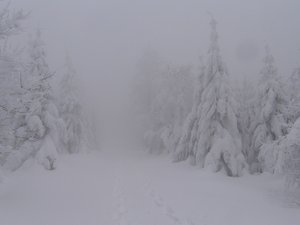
246 97
10 69
70 109
188 132
38 126
294 94
10 22
211 137
270 123
172 103
290 156
285 155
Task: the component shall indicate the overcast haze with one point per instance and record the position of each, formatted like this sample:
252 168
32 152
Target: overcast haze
149 112
106 37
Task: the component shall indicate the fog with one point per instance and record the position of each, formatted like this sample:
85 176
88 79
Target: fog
107 37
166 112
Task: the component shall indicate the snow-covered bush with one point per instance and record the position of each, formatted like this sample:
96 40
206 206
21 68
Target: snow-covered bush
47 154
17 157
211 137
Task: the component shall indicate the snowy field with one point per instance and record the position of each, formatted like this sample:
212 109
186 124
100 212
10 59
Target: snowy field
135 189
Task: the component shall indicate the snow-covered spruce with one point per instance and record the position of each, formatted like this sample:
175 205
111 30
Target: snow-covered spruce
10 69
284 156
294 95
211 137
247 99
271 121
37 120
290 156
70 110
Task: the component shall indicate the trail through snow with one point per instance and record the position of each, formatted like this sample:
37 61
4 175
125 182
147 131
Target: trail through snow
132 188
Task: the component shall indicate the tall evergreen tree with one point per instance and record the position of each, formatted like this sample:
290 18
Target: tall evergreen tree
211 136
10 69
70 109
289 148
246 115
294 95
271 121
38 126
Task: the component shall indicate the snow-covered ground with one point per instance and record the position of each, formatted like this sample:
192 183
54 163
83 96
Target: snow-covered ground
137 189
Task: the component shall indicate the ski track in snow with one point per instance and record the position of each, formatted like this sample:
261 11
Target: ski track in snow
130 191
151 198
165 208
121 211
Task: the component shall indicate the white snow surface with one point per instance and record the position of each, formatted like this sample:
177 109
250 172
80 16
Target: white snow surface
133 188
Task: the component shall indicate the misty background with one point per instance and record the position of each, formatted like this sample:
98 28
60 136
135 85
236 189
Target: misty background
106 38
166 112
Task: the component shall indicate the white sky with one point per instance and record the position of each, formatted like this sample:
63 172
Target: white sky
106 37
